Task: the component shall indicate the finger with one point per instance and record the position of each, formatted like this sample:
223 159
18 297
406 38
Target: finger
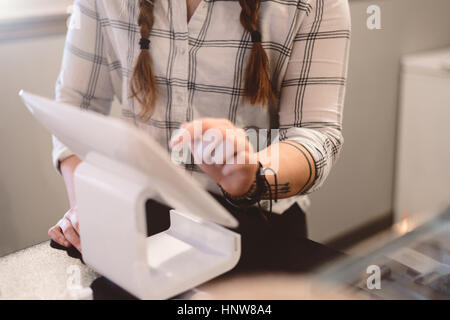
213 141
201 137
206 148
55 233
70 233
208 123
220 143
179 136
193 131
233 148
197 127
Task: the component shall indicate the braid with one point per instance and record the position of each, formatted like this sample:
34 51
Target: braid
143 82
258 87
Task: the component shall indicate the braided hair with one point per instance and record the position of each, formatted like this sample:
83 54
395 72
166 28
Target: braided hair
258 87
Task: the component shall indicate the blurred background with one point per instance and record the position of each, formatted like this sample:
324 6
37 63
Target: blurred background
396 122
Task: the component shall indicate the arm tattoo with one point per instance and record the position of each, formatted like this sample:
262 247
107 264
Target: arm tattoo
275 189
292 144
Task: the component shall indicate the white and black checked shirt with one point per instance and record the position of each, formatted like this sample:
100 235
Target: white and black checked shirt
199 68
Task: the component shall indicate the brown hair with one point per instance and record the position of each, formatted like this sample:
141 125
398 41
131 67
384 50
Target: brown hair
258 88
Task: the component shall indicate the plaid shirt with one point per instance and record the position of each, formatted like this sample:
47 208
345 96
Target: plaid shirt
199 67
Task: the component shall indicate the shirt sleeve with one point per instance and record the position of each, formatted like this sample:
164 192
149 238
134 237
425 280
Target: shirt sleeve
84 79
312 91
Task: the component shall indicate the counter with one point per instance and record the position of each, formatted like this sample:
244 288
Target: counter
40 272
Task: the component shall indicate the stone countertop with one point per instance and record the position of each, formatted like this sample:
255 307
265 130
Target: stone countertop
40 272
43 273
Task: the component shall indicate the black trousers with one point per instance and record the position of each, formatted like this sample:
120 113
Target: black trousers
268 241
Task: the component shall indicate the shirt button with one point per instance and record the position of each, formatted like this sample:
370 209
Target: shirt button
182 51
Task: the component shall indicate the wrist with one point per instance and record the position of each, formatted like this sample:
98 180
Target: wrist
253 195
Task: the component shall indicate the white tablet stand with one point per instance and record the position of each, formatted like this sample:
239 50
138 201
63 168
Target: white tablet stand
122 168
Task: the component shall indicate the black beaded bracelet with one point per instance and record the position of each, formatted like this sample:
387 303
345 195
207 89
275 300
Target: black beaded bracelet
253 195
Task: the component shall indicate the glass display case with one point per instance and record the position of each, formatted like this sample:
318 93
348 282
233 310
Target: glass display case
414 266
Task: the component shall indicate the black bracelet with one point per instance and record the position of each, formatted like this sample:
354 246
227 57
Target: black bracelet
253 195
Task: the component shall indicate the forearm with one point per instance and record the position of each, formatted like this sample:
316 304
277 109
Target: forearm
293 166
67 168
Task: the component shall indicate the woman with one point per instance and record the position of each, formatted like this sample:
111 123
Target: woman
226 65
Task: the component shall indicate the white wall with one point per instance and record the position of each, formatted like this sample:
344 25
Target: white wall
32 196
360 188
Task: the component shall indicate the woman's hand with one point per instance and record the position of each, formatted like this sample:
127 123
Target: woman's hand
67 231
222 151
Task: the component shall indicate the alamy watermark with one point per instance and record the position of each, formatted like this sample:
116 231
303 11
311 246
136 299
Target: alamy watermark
73 281
373 281
225 146
374 19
